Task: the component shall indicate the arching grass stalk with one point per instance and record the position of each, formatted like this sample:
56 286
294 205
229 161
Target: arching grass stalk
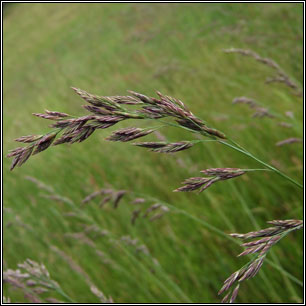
156 278
235 146
217 231
238 148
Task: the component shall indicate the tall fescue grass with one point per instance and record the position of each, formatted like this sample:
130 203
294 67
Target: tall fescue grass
104 112
190 234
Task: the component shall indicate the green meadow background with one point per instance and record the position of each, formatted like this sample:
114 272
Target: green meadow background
177 49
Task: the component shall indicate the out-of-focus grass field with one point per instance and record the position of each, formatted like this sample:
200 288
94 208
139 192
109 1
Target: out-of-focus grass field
177 49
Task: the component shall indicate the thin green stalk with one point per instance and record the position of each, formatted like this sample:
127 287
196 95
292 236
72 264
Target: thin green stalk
283 271
240 149
251 170
58 289
171 283
247 153
63 294
246 208
219 232
142 266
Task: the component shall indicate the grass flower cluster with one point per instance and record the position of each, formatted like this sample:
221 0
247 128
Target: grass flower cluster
107 111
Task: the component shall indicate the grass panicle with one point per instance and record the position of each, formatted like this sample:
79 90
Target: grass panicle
34 280
268 237
280 75
289 141
214 175
106 112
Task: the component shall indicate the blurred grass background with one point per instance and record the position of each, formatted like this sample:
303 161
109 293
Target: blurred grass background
177 49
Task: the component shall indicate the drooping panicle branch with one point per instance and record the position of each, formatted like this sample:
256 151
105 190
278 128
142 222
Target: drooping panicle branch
268 238
260 111
164 147
106 111
280 75
289 141
128 134
214 175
